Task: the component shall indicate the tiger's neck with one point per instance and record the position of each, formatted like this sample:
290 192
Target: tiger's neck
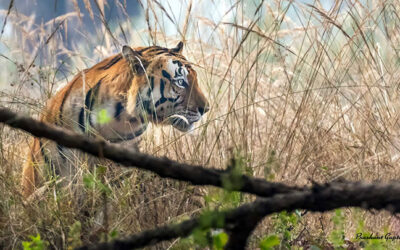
112 121
120 118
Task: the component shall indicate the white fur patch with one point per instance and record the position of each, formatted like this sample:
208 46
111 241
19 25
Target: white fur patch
173 67
180 117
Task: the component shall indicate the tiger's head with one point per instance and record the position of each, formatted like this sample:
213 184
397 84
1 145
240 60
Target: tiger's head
168 89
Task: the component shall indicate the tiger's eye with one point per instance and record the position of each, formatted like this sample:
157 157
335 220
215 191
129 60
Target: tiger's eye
180 83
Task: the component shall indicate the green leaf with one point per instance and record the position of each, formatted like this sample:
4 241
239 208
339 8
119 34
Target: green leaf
35 244
103 117
200 237
220 240
88 181
26 245
113 234
211 219
104 188
269 242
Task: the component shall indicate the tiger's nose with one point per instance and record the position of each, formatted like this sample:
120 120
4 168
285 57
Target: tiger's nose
203 110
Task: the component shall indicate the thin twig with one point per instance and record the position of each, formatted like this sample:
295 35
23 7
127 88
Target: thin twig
5 19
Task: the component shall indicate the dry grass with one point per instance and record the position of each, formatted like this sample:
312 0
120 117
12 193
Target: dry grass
304 93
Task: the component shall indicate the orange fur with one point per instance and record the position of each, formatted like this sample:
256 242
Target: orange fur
120 79
30 176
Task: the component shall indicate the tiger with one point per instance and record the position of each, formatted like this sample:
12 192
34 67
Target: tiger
116 100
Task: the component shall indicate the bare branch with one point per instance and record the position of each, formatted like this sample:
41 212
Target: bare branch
5 19
241 231
196 175
318 198
149 237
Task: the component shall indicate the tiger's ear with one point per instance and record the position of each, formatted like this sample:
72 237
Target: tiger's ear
178 49
134 58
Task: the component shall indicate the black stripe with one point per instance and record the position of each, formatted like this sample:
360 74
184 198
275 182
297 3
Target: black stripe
141 119
81 121
178 103
61 151
144 49
159 53
133 120
112 62
147 106
152 83
118 110
90 99
163 98
177 62
89 103
60 116
158 48
166 75
46 160
151 87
